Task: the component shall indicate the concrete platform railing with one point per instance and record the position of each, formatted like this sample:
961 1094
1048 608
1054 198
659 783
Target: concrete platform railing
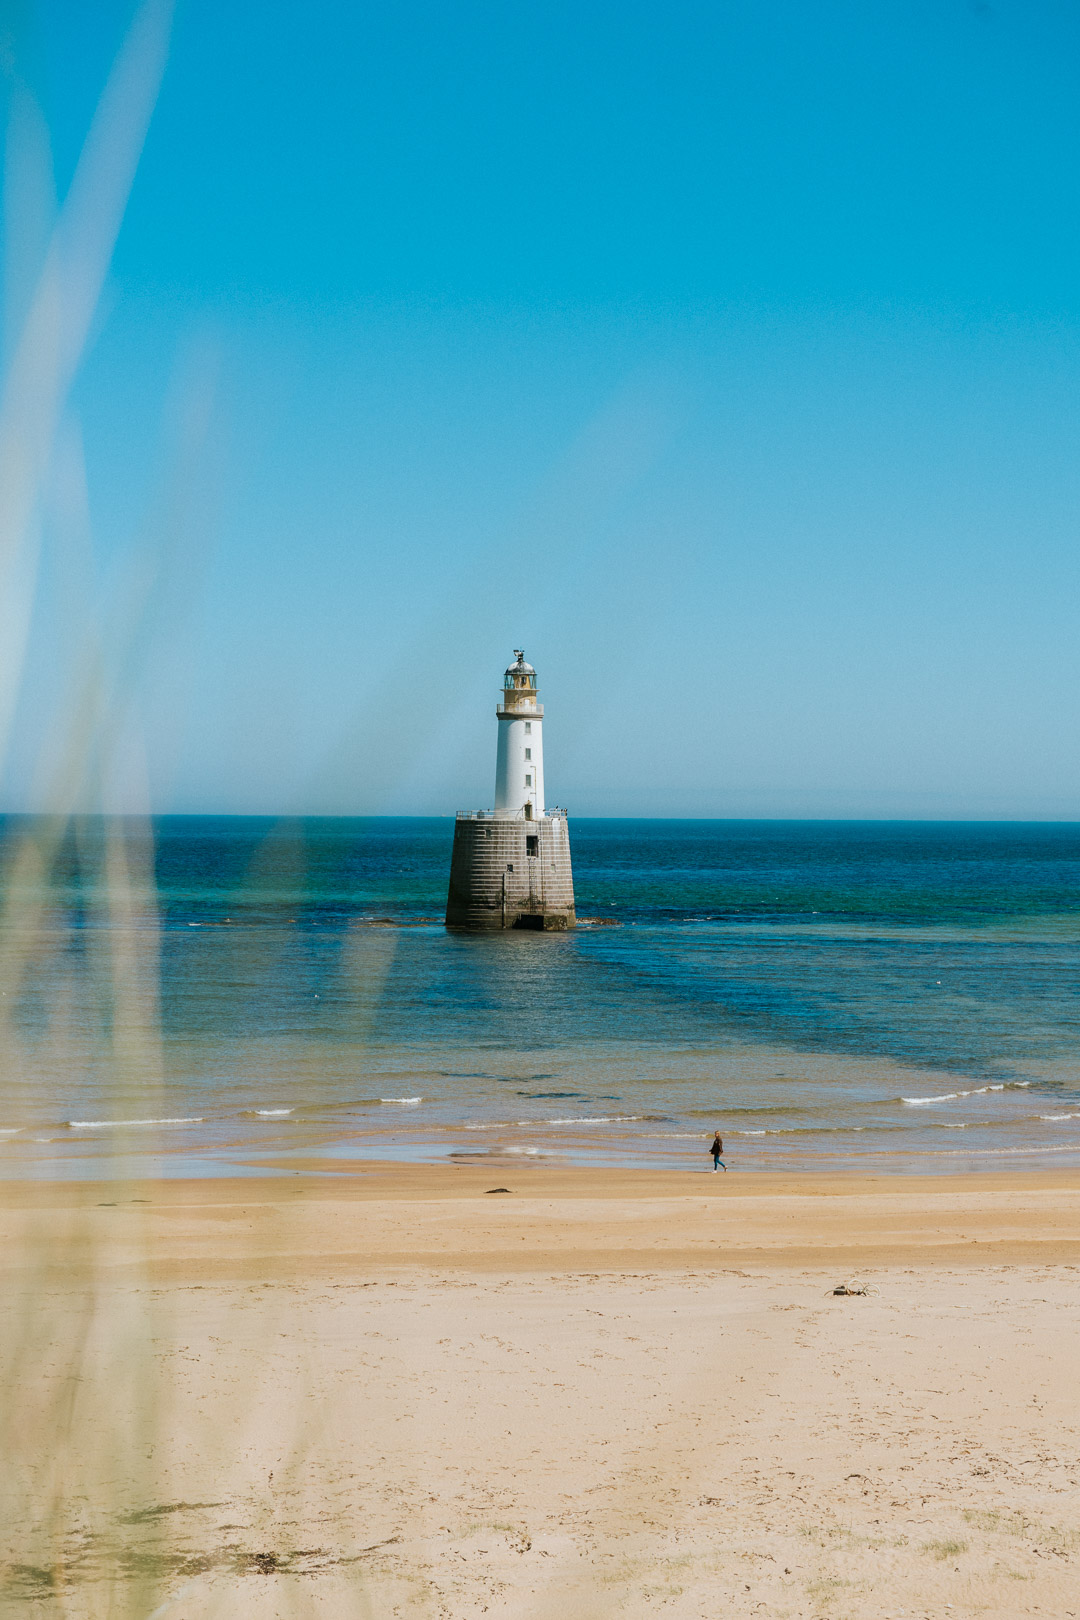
553 812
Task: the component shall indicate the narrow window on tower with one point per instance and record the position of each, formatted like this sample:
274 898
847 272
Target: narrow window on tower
528 753
528 728
528 781
532 846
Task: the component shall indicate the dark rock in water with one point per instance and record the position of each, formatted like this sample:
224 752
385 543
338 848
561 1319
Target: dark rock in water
497 1189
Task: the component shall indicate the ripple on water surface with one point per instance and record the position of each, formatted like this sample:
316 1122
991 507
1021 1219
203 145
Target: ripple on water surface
854 994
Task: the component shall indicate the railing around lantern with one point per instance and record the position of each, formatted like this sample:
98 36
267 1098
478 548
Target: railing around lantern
520 711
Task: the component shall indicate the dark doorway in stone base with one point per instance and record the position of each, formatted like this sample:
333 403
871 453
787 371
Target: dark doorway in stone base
529 919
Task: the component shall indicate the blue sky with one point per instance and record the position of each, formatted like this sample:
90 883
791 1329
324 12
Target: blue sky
725 356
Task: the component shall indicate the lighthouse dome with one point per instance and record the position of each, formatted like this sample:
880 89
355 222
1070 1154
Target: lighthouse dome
519 666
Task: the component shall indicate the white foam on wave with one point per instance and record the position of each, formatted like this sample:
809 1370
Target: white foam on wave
11 1130
273 1113
122 1124
1007 1153
805 1130
1059 1116
404 1102
976 1091
591 1119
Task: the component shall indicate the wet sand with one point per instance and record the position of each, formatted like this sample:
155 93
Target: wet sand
387 1390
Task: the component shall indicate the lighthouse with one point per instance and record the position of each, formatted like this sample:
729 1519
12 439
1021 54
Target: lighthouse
519 762
510 866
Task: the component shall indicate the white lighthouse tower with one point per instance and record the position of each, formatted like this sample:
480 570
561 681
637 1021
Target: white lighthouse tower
511 866
519 762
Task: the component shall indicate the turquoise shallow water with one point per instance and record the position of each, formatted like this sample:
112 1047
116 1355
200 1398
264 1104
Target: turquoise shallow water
205 992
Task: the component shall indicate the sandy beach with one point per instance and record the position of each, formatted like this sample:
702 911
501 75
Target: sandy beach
389 1390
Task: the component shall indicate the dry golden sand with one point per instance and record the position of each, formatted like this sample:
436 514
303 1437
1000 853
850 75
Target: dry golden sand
386 1391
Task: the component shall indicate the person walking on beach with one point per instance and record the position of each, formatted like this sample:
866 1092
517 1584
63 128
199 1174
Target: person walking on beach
716 1150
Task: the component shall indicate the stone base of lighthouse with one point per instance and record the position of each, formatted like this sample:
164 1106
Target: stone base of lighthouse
507 872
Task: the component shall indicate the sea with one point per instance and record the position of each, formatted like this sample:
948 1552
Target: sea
204 995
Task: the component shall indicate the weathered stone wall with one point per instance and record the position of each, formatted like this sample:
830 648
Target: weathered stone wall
495 883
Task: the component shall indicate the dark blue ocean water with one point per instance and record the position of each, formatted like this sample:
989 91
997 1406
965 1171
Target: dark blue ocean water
889 995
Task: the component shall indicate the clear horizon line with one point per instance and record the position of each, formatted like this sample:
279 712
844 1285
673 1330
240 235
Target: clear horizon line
448 816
